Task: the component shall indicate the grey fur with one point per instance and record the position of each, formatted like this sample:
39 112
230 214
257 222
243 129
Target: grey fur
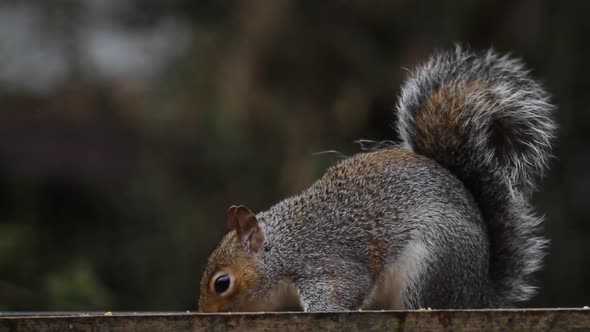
443 225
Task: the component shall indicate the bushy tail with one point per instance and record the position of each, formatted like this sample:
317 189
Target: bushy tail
482 117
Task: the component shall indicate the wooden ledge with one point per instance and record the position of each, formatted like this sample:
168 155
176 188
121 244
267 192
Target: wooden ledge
419 320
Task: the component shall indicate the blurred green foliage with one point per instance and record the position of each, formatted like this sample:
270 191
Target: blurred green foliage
77 284
127 129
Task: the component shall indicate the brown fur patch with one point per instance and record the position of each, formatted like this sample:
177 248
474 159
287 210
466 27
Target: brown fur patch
336 296
439 117
376 257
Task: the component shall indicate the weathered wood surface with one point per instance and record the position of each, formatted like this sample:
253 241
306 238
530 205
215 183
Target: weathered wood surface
424 320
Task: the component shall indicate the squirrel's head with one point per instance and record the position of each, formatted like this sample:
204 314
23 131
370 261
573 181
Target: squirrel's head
232 271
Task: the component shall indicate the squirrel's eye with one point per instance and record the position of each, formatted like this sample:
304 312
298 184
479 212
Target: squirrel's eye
222 283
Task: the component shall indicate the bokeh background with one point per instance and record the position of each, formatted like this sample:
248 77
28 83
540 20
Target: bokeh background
128 127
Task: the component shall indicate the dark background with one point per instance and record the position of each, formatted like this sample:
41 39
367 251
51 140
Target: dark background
128 127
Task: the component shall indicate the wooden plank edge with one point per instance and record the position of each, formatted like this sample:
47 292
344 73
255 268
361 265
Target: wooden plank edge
557 319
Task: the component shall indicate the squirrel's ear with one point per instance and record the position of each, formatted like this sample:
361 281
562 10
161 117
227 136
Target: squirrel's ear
248 229
232 218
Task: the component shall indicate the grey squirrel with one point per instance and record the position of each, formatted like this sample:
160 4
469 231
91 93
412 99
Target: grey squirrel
443 220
